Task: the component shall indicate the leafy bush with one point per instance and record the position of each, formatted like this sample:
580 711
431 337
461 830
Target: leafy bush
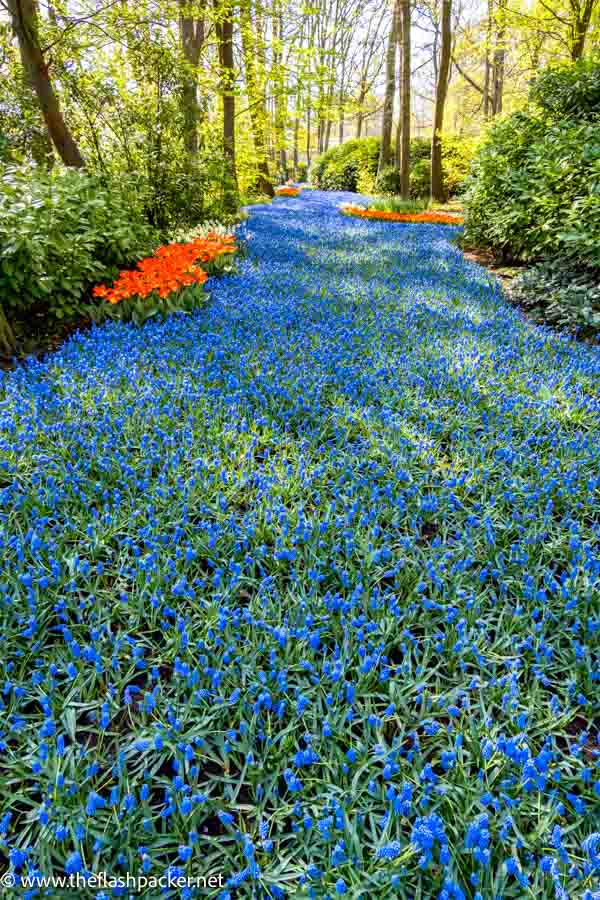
387 181
340 168
534 190
568 91
533 194
560 294
420 178
353 167
60 233
458 153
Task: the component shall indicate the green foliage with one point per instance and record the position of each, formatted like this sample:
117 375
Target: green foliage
420 178
534 190
139 310
561 294
397 204
571 91
353 167
458 152
387 181
535 195
339 168
62 232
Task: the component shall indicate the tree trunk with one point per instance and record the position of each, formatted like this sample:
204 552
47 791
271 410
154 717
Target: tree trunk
24 22
385 151
580 26
405 112
441 90
296 135
362 94
279 85
308 141
191 33
255 100
498 60
224 31
398 145
486 87
8 341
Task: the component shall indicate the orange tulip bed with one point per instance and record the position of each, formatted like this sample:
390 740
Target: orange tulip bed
167 281
287 192
430 217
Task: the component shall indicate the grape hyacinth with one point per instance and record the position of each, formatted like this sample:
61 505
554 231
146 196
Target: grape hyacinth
303 589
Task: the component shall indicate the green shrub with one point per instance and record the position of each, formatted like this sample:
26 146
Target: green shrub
458 153
60 233
535 189
340 168
420 178
353 167
561 294
568 91
387 181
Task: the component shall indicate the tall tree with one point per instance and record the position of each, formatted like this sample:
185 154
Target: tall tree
441 91
499 59
280 89
582 11
191 34
224 31
405 96
256 97
385 151
24 18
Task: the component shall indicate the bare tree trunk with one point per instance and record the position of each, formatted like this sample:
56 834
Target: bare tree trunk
255 100
498 61
398 145
8 341
362 93
25 24
280 99
405 111
308 141
581 23
224 31
385 151
441 90
191 32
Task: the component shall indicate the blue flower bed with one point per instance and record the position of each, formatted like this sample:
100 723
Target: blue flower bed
302 591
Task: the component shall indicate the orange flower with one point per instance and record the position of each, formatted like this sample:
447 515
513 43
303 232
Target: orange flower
430 217
171 268
287 192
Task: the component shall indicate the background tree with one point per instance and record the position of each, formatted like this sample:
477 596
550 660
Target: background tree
24 18
437 177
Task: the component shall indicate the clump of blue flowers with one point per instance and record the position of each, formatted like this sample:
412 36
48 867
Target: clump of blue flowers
303 588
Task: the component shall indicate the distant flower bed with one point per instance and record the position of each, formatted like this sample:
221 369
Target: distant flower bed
288 192
430 217
167 281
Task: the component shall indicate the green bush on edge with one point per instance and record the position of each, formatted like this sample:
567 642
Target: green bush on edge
534 196
62 232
